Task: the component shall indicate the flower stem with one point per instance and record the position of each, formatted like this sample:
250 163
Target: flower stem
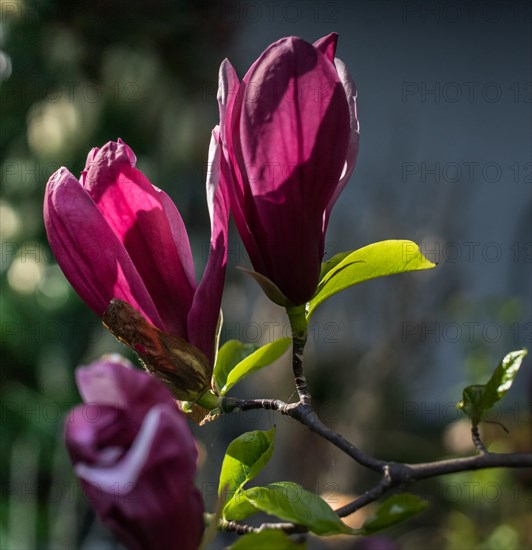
475 436
298 324
208 400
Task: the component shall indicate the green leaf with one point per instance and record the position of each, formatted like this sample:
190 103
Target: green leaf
471 402
479 398
239 507
503 377
372 261
333 262
266 541
263 357
229 355
290 502
272 291
394 510
244 459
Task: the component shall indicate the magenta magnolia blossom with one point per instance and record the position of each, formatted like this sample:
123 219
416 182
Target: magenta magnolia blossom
116 236
136 457
290 140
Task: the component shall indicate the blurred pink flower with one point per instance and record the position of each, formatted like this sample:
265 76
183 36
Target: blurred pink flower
290 141
136 457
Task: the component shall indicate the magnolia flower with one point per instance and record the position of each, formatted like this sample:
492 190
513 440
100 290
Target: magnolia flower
135 457
120 239
290 140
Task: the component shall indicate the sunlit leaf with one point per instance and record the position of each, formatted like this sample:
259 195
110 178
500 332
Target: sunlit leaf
229 355
471 402
333 262
244 459
263 357
290 502
479 398
239 507
372 261
394 510
502 378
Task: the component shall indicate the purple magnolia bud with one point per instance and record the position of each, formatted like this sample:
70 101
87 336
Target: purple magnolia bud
135 457
118 237
289 132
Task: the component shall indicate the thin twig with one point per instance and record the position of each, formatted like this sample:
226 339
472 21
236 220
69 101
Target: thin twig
238 528
229 404
365 499
394 473
479 462
475 436
400 473
243 529
306 415
415 472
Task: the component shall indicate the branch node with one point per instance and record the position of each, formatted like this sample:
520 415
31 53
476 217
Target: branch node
397 473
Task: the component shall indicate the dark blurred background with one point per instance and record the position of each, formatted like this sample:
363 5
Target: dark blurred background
445 92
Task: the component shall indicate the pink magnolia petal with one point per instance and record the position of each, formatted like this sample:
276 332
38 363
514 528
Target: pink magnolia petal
229 165
88 251
129 152
327 45
294 122
112 381
140 481
99 435
230 95
150 226
205 311
126 472
354 136
228 86
294 133
148 497
180 235
80 433
103 164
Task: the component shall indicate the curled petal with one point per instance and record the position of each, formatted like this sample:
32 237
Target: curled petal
205 311
136 470
228 86
327 45
91 256
147 497
84 437
114 382
126 472
354 136
230 106
149 225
